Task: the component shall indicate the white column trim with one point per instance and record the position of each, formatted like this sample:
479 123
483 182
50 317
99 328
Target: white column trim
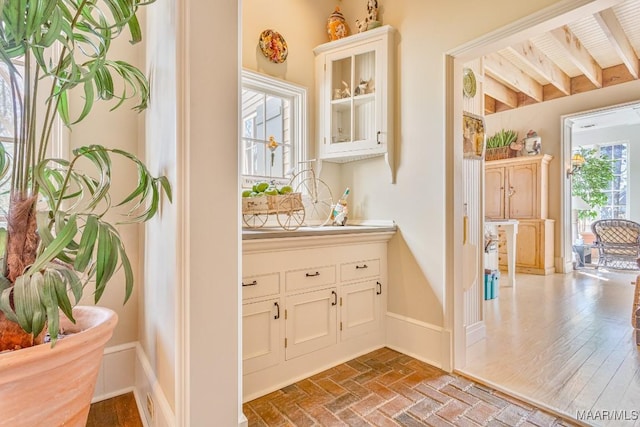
182 368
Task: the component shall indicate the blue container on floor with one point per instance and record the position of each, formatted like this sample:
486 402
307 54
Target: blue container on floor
491 284
495 284
488 287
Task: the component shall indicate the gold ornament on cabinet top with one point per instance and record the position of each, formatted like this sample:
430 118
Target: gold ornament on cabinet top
337 26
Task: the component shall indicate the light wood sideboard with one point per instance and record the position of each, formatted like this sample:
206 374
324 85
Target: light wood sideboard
518 188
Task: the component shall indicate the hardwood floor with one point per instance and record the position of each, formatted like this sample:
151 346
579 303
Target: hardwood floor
120 411
565 342
387 388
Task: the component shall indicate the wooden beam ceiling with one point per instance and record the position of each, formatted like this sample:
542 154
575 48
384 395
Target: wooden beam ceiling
559 64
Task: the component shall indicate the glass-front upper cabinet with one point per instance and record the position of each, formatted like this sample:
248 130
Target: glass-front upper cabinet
354 78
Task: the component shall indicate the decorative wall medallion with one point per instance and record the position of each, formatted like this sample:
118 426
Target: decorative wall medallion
468 83
273 46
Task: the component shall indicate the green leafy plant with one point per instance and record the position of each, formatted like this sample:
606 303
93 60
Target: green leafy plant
58 238
590 180
502 138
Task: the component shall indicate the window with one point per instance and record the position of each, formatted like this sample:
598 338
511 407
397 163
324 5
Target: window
6 131
273 128
617 201
616 206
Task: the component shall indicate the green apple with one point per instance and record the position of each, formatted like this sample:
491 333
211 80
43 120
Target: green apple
246 193
271 191
286 189
261 187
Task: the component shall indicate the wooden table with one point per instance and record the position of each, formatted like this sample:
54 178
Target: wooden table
510 227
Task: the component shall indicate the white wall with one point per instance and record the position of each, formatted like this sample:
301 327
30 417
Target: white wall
208 142
303 26
192 252
545 119
622 133
115 129
160 289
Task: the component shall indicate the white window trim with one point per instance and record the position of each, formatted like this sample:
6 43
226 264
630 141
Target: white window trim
298 94
622 142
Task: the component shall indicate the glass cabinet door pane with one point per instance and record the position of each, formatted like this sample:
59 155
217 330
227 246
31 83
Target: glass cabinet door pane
341 103
365 73
341 78
341 121
364 96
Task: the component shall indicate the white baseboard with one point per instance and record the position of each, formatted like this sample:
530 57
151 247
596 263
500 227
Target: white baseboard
117 372
125 368
417 339
146 384
475 332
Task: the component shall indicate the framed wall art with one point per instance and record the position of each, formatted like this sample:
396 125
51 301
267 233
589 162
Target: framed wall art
473 136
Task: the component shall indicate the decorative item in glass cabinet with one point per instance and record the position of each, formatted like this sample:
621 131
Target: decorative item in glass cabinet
337 26
273 46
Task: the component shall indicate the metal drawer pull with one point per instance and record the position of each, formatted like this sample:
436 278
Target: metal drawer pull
335 298
277 316
255 282
317 273
379 291
362 266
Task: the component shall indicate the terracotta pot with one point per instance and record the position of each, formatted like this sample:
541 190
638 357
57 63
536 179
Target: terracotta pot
44 386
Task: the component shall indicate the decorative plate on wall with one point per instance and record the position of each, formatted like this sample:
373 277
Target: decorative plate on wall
468 83
273 46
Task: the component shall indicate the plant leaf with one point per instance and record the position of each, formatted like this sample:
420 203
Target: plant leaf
107 260
87 243
49 300
56 246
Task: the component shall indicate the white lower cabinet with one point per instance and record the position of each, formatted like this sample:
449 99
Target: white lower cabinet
261 342
310 320
360 308
310 304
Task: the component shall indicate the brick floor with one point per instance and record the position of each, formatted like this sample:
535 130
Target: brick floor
387 388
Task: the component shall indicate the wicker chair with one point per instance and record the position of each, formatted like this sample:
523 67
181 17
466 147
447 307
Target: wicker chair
618 243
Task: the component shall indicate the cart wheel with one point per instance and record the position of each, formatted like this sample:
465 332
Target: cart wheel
254 220
290 212
317 201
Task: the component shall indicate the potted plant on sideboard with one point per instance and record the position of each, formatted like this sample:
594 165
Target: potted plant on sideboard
499 145
58 238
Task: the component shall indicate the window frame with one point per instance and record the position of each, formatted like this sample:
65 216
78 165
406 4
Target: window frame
611 189
297 96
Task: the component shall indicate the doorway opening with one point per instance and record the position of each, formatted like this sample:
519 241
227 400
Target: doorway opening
592 307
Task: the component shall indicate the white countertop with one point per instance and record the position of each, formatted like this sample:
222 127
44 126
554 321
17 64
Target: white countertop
327 230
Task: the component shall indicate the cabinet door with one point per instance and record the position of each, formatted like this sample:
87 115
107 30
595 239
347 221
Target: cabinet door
528 244
311 320
261 341
354 87
360 308
522 191
494 193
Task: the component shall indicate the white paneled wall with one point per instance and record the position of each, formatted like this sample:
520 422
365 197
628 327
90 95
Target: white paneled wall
473 176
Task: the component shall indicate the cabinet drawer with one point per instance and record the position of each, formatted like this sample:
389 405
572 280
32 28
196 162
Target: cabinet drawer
311 277
260 286
359 270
